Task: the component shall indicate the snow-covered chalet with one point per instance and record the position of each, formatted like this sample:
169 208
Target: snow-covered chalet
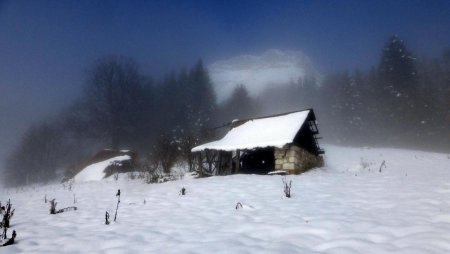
285 143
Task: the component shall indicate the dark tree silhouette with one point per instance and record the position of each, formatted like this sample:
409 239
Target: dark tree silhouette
114 98
397 66
239 105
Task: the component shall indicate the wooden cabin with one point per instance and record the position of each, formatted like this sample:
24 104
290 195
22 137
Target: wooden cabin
284 143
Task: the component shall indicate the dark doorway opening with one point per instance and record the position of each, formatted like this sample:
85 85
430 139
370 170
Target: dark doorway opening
258 161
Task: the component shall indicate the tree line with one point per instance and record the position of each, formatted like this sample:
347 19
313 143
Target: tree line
120 108
402 102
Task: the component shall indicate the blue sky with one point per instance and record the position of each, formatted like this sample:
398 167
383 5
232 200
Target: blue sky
47 46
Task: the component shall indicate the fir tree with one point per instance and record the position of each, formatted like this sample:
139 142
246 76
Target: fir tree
397 67
202 100
239 105
398 81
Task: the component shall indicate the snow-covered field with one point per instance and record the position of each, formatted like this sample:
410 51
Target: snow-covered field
346 207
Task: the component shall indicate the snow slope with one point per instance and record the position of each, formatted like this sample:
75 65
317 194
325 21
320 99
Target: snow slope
346 207
258 72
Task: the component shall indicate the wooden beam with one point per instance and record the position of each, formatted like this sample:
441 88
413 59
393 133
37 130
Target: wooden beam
219 167
238 161
200 165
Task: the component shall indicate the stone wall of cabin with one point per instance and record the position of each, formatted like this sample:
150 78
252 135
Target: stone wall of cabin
295 160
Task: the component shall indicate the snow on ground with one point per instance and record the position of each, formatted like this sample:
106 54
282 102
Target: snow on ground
346 207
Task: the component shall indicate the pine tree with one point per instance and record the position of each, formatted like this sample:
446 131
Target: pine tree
398 81
240 105
201 101
397 67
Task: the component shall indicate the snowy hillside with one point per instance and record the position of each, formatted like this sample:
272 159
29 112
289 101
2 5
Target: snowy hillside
349 206
259 72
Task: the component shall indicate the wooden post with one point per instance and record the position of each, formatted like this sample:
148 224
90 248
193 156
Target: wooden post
230 168
219 167
238 161
200 164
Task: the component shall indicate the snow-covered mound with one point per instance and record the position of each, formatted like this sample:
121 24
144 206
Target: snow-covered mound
96 171
259 72
348 206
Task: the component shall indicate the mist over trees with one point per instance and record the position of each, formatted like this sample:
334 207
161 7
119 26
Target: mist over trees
397 104
402 102
119 108
37 156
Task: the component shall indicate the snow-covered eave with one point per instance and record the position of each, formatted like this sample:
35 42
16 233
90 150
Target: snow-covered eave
215 145
273 131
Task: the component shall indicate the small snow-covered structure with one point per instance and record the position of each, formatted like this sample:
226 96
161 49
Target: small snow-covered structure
285 143
102 169
103 164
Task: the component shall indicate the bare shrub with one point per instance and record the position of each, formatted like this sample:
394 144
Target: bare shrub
10 240
107 218
53 210
7 215
118 202
364 164
166 152
383 164
185 145
151 170
183 191
131 175
287 187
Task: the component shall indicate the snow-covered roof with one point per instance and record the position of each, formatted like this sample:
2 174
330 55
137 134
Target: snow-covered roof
275 131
